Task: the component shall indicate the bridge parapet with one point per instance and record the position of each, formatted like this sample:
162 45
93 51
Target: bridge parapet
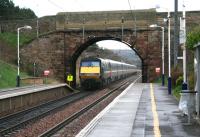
105 19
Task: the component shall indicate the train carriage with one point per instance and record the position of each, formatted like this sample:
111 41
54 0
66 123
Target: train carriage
97 72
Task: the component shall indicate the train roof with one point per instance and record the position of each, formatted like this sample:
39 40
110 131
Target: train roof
106 60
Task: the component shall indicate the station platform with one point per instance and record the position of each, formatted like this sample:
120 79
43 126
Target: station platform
142 110
13 92
17 99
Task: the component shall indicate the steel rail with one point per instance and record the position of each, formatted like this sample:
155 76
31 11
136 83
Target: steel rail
23 123
65 122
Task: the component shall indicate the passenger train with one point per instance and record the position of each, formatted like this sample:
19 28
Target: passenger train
97 72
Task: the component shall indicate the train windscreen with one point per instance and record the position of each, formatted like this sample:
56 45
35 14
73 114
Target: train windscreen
90 67
90 64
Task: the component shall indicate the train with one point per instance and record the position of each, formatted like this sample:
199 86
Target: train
97 72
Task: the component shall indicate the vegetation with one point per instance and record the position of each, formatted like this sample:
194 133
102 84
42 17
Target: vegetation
178 87
9 11
193 38
8 75
11 38
177 80
96 51
176 91
176 73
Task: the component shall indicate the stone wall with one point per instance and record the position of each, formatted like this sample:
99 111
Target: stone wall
45 24
105 19
54 51
47 53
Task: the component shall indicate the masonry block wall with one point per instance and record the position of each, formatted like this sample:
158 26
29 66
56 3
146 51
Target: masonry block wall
55 50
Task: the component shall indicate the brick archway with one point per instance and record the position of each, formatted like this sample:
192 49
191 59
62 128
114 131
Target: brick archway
91 41
57 51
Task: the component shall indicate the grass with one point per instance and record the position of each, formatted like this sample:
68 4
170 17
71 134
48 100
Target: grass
11 38
8 75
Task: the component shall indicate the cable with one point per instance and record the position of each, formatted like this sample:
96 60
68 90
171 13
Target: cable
133 17
56 5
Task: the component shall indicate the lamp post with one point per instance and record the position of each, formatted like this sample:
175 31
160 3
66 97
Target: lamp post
169 56
163 67
183 28
122 28
83 29
169 52
18 59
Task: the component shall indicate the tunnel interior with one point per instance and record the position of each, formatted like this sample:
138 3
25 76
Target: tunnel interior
100 47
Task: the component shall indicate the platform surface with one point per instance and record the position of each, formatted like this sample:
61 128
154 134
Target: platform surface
13 92
142 110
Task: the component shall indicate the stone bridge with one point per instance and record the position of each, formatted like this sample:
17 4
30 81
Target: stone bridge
58 51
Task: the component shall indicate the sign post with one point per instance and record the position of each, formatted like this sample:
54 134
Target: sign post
157 70
69 78
46 73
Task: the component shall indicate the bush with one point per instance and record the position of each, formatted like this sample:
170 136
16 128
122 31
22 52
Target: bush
193 38
179 81
191 80
176 73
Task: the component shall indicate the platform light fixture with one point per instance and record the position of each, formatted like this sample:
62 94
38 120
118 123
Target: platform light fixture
163 60
169 49
18 58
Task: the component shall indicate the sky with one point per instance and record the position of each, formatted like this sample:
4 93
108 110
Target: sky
52 7
112 44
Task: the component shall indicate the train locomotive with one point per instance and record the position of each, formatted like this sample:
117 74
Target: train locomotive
97 72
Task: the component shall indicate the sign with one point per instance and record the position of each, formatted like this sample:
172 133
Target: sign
182 35
70 77
179 57
157 70
46 72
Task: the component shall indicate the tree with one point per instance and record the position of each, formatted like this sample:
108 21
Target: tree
9 11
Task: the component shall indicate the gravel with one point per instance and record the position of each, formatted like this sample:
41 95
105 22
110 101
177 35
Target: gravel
46 123
74 128
42 125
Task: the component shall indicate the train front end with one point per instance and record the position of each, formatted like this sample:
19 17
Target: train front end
90 72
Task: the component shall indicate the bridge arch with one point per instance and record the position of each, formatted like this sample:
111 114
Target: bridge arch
91 40
57 51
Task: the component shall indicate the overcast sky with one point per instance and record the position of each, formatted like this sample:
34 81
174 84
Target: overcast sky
51 7
112 44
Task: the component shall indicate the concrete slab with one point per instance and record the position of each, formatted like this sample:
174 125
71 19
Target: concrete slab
118 120
133 115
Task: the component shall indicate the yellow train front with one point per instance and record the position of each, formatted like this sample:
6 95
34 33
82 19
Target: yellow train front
97 72
90 73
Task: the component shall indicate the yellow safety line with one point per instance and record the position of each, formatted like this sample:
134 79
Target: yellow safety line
155 114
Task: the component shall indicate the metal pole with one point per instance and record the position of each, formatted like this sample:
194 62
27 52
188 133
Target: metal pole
169 57
163 57
37 28
18 77
18 58
122 28
184 85
176 42
34 72
83 29
198 79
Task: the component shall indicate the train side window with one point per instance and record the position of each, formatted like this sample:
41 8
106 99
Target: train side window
109 66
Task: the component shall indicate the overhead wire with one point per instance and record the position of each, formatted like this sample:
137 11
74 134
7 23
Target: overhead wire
56 5
133 15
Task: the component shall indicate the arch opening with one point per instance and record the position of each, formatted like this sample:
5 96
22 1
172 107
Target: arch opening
104 47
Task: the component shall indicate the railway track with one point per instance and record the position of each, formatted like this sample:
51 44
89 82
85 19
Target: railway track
10 125
74 116
19 120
